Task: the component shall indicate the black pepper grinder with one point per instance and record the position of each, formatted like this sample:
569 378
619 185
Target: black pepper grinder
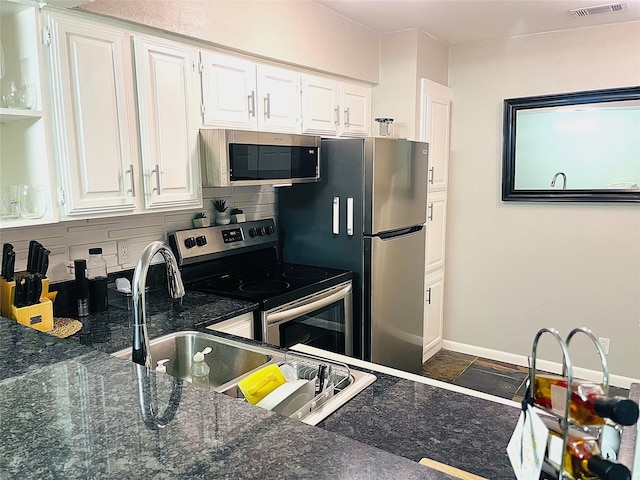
82 287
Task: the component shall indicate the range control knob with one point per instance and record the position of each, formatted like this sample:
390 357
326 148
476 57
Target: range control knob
252 232
190 242
261 231
201 241
270 230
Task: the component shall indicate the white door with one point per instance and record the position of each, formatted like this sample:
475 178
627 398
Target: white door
355 106
436 123
433 317
278 99
92 83
166 80
320 113
436 228
228 91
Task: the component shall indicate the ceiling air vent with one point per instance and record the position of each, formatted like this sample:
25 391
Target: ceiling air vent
599 10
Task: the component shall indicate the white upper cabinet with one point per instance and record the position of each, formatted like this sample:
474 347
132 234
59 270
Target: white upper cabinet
228 91
355 102
332 107
92 84
26 196
238 93
279 99
320 110
438 100
167 95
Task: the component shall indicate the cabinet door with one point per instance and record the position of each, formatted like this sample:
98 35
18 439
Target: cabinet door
433 316
166 81
242 326
228 91
319 105
437 100
92 84
436 230
278 99
355 106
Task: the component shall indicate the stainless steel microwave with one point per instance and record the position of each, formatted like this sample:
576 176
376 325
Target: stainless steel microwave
242 157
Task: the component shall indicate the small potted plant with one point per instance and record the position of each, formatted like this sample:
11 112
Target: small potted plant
223 214
237 216
200 220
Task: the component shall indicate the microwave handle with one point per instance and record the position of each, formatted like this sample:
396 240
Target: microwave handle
336 216
289 314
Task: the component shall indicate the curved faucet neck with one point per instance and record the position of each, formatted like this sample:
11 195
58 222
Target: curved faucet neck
141 352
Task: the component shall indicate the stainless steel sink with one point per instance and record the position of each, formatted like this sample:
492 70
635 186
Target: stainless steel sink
231 360
228 359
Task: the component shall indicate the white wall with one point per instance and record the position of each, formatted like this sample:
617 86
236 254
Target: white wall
303 33
513 268
405 57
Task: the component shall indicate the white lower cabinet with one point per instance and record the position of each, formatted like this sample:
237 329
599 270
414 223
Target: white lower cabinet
242 326
436 229
433 314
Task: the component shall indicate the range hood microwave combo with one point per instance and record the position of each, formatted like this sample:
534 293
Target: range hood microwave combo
242 157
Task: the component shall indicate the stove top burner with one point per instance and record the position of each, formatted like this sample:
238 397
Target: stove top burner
302 273
225 282
267 286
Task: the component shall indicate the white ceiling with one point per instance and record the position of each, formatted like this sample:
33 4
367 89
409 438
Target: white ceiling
455 22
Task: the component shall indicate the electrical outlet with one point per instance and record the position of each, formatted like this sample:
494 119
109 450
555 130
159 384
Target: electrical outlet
605 344
124 252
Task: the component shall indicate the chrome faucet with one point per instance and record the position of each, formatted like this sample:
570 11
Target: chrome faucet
141 352
564 180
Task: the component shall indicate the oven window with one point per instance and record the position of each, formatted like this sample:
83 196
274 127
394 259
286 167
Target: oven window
322 328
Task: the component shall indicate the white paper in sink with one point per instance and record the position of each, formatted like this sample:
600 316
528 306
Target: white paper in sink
527 446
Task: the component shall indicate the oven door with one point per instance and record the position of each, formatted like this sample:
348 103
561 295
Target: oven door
323 320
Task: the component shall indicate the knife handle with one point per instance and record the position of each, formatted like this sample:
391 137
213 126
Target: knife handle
33 256
18 297
44 262
10 266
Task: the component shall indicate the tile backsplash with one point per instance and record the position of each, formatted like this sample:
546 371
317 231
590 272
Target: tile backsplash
69 240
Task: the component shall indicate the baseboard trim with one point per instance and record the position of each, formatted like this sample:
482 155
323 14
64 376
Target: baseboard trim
523 361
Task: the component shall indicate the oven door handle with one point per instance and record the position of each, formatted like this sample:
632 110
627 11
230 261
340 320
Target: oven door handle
289 314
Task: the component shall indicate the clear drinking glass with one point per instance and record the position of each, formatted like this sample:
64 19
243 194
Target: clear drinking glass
33 200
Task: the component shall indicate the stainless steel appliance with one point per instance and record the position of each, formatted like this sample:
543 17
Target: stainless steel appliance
298 303
367 215
242 157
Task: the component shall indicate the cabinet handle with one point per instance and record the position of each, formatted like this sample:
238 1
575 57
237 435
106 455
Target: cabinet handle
252 103
337 116
431 175
156 170
430 216
349 216
267 105
133 182
429 296
346 117
336 216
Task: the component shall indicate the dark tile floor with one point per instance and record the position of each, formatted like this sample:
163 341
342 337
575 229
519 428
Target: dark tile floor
484 375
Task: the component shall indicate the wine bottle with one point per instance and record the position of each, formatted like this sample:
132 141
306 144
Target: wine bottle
588 405
582 458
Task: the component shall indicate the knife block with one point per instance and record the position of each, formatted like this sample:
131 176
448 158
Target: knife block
6 297
38 316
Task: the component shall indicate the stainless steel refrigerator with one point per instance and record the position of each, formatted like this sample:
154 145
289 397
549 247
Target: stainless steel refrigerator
367 215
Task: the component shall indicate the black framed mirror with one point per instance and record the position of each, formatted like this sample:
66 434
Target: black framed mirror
572 147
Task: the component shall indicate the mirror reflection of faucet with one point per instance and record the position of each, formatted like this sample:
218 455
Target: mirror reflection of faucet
150 413
564 180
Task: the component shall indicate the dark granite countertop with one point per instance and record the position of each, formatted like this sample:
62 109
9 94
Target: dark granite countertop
69 411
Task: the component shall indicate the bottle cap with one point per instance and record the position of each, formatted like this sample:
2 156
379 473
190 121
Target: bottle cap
608 470
162 368
199 356
621 410
95 251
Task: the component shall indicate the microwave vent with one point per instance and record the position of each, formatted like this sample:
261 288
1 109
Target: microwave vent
599 10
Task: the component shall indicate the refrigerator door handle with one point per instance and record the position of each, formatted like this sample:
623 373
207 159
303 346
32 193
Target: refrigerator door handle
400 233
350 216
336 215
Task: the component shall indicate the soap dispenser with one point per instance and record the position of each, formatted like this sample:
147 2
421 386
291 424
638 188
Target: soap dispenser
199 369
